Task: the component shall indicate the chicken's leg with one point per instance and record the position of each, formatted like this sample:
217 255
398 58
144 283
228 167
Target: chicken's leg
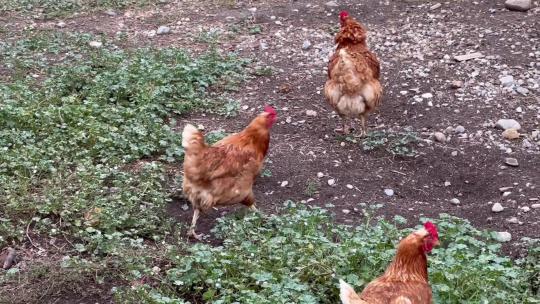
364 127
346 127
191 231
249 201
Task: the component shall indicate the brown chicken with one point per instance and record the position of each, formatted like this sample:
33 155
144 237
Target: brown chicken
353 88
405 281
223 174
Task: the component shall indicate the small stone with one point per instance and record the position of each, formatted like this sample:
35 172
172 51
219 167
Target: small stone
454 153
331 182
511 162
435 6
497 207
526 144
459 129
95 44
525 209
468 56
284 183
507 80
519 110
185 207
513 220
523 91
505 124
311 113
427 95
61 24
510 134
456 84
455 201
518 5
306 45
349 186
162 30
439 136
504 189
151 33
503 236
535 206
389 192
506 193
447 183
346 211
320 174
331 4
110 12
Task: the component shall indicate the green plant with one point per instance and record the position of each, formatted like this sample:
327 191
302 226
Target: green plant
397 144
297 257
312 187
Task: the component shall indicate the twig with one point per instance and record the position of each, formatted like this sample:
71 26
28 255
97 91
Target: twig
398 172
28 236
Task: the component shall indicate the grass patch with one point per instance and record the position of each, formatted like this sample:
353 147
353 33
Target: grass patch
400 144
298 257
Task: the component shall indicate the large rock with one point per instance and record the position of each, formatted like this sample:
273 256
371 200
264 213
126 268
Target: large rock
518 5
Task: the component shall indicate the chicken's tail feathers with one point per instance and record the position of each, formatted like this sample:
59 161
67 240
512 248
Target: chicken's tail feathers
348 295
192 137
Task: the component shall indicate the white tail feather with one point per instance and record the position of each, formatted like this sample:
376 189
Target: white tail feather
347 294
187 134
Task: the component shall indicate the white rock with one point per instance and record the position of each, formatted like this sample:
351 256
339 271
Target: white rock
306 45
497 207
518 5
523 91
525 209
320 174
506 193
535 206
349 186
435 6
511 162
455 201
311 113
163 30
331 182
346 211
284 183
513 220
505 124
503 236
468 56
507 80
185 207
454 153
95 44
459 129
439 136
61 24
427 95
389 192
331 4
447 183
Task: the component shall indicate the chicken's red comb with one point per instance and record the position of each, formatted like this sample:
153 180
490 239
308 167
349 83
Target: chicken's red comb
343 15
269 109
432 230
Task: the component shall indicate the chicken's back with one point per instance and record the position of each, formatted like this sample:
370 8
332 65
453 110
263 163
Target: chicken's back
378 292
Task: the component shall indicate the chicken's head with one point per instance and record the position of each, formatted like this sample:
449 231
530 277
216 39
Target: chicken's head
343 16
271 115
431 239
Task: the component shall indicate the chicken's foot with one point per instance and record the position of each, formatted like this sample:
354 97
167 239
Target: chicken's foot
191 231
363 133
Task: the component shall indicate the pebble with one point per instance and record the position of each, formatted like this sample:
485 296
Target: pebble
95 44
535 206
511 162
185 207
349 186
518 5
447 183
510 134
61 24
284 183
503 236
506 193
439 136
389 192
311 113
507 80
427 95
346 211
525 209
523 91
497 207
320 174
506 124
331 4
454 153
526 144
456 84
331 182
468 56
306 45
459 129
435 6
455 201
110 12
513 220
163 30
